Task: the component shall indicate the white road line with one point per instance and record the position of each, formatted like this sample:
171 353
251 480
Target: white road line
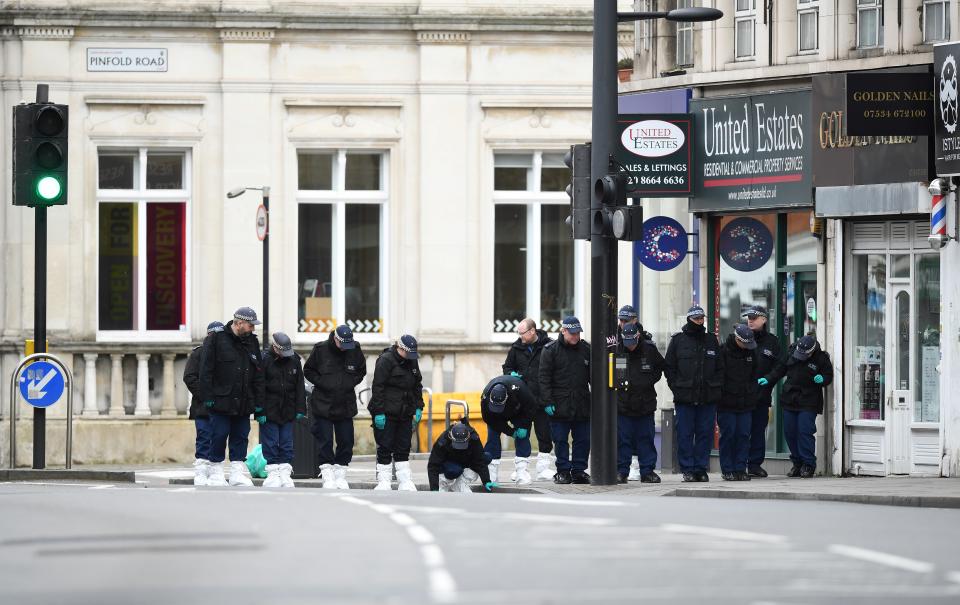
183 489
873 556
443 588
103 487
432 555
718 532
954 576
420 534
402 519
595 521
548 500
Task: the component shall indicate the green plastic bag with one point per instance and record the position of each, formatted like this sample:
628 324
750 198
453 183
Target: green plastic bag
256 463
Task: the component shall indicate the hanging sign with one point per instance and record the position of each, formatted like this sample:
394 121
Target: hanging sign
261 222
746 244
664 244
655 150
945 115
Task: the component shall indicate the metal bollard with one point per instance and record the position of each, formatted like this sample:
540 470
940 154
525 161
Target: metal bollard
668 442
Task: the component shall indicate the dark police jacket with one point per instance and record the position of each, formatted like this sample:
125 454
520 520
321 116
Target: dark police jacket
525 360
519 410
565 379
694 366
231 372
397 386
768 356
334 374
285 394
644 370
739 392
472 458
191 378
800 393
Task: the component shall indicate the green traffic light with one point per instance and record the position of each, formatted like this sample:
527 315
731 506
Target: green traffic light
48 188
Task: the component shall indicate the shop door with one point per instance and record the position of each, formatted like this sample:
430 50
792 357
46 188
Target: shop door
900 399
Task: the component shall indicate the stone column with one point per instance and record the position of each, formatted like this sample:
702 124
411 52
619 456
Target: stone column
143 385
436 378
90 385
169 407
116 385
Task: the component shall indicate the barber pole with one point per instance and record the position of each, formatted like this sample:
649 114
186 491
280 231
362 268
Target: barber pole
938 215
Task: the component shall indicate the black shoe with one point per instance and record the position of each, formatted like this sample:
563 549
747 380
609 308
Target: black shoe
807 471
689 477
621 478
563 478
650 477
757 471
580 478
794 471
702 476
729 476
742 476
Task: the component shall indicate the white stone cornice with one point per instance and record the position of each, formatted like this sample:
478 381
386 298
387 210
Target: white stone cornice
443 37
142 100
40 32
315 102
246 35
625 38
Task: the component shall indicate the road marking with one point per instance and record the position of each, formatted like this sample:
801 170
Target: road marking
718 532
954 576
873 556
183 489
420 534
402 519
548 500
103 487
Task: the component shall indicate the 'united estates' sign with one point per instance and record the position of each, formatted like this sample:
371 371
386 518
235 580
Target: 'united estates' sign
127 59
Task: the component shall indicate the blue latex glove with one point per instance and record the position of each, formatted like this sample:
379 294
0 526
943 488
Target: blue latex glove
818 379
208 405
515 374
489 485
301 416
380 421
763 382
417 415
257 411
520 434
261 419
550 410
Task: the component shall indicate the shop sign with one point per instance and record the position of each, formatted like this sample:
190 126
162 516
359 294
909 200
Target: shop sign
655 150
890 104
664 244
752 151
745 244
127 59
947 136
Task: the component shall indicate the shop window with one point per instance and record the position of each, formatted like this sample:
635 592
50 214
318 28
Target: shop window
927 385
748 267
142 222
801 244
341 198
533 262
869 23
869 335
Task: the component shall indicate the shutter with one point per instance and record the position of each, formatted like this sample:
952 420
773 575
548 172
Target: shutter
921 232
869 236
901 236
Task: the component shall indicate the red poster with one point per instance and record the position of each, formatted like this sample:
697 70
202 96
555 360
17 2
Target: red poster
166 266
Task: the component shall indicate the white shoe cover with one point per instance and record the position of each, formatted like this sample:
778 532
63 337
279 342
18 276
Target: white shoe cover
285 471
544 472
494 469
329 479
404 478
273 475
634 470
340 474
215 476
238 474
201 468
384 477
523 476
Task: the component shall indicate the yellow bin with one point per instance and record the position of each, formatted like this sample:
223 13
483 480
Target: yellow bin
437 417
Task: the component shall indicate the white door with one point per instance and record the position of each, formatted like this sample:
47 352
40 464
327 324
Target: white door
900 398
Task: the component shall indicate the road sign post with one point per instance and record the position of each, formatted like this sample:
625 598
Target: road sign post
41 380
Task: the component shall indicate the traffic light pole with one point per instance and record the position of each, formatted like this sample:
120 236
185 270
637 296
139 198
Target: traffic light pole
40 309
603 250
266 272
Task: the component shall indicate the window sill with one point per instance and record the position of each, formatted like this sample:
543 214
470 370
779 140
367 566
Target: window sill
133 336
925 426
867 424
808 56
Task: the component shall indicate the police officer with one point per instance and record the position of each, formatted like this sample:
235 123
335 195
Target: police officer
523 360
565 395
335 368
737 401
808 370
396 407
636 404
285 401
198 412
694 370
628 315
508 407
457 459
231 387
768 356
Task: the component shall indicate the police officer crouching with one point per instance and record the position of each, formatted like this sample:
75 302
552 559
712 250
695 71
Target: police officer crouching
636 404
396 407
198 411
285 402
457 459
808 370
737 401
768 356
508 407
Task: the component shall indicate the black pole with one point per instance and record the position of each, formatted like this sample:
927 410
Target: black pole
40 309
266 272
603 250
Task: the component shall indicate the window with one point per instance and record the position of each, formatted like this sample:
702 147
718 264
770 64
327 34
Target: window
341 199
684 38
643 28
808 13
936 20
744 21
142 200
533 260
869 23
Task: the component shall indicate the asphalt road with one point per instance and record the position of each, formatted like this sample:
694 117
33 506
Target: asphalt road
83 544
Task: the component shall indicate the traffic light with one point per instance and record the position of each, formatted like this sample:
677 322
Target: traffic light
627 223
578 161
617 219
40 154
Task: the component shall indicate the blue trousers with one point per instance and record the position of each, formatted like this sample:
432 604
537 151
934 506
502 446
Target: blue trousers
636 434
236 429
492 448
324 431
734 440
799 429
203 437
695 425
277 442
561 431
758 435
452 470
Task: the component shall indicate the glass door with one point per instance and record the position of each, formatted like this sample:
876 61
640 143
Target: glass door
900 401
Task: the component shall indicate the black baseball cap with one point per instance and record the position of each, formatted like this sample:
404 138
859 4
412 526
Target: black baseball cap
409 344
344 336
745 336
459 436
497 397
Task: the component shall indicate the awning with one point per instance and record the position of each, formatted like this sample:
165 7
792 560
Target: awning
872 200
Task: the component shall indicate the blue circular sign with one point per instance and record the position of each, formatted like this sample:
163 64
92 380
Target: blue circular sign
746 244
41 384
664 244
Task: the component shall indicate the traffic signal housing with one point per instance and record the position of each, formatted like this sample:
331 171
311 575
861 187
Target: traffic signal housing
578 161
40 154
